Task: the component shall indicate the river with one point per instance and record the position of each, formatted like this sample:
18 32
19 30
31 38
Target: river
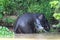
46 36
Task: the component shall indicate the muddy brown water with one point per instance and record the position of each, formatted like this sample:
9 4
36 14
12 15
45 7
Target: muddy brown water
39 36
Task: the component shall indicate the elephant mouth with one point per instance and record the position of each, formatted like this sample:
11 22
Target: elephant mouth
41 30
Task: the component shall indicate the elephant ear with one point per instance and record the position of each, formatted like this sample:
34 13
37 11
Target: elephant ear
41 16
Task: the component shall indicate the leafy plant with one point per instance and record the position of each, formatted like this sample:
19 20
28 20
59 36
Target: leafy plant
54 3
5 32
1 16
9 20
41 8
57 16
1 5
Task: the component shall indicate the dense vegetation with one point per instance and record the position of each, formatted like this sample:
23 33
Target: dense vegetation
5 32
18 7
14 8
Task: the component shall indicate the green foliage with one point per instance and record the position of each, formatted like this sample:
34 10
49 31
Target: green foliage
5 32
9 20
1 5
54 4
57 11
18 7
57 16
34 8
43 7
55 28
58 25
1 16
9 5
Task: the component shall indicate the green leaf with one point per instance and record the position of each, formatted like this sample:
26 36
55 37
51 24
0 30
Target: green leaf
1 16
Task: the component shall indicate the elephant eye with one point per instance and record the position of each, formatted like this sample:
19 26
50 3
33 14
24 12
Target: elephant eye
37 27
